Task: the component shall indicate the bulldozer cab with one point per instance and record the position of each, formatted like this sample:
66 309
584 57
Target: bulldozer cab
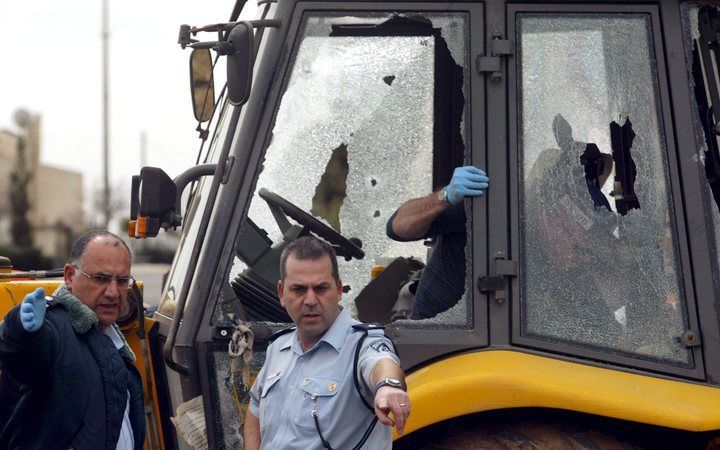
594 248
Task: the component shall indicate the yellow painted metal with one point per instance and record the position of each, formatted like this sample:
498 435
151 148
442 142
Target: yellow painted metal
12 292
144 358
501 379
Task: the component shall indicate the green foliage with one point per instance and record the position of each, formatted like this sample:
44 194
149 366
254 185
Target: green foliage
26 258
19 201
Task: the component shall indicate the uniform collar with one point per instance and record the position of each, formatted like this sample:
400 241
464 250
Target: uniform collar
335 335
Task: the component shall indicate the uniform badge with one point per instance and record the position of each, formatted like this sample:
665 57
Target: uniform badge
332 387
381 347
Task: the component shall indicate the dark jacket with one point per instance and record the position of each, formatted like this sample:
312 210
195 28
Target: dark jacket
66 384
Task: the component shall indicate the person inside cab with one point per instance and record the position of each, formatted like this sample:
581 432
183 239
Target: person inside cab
439 215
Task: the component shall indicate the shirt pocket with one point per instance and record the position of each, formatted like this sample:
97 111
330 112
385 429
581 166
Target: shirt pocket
265 402
324 390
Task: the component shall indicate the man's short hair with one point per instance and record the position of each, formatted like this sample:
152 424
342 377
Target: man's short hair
309 248
80 245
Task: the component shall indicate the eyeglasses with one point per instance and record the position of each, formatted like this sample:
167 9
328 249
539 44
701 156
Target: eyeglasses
102 280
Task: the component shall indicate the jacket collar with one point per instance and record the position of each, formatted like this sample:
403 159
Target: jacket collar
82 318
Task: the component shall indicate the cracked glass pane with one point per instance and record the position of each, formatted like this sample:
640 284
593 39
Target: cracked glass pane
698 90
600 261
355 136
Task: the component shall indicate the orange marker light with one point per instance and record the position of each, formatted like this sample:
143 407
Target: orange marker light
141 227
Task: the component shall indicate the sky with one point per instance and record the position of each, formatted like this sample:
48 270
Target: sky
51 65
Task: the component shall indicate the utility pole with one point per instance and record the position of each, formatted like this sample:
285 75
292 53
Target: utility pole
143 149
106 112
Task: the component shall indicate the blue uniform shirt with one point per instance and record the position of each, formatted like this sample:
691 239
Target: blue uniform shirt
281 396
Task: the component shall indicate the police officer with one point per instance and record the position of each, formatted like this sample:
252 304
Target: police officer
327 381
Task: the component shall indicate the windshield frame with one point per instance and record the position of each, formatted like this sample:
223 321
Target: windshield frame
415 338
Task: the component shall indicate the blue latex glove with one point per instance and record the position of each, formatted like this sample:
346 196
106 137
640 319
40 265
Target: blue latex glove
32 310
468 181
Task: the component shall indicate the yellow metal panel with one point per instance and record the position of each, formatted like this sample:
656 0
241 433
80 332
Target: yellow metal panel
501 379
144 365
13 292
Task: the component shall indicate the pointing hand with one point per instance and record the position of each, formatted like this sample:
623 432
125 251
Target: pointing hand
468 181
32 310
389 400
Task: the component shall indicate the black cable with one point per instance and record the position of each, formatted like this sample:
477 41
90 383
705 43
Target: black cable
358 347
370 427
325 443
367 434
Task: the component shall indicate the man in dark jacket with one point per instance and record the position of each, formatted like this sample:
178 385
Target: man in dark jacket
67 377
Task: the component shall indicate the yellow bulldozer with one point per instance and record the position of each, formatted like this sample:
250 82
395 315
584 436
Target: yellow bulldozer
589 311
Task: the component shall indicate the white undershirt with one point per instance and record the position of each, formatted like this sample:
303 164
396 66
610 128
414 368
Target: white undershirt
126 441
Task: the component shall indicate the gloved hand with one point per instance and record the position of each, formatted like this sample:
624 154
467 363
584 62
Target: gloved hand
32 310
468 181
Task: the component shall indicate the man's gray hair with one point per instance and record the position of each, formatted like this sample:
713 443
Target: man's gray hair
309 248
81 243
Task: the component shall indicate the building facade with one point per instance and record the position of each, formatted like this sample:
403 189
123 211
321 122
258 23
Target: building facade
55 194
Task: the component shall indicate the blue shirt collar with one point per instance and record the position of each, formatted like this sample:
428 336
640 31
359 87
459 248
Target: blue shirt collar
335 335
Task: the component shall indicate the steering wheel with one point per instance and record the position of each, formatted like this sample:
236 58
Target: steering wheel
282 209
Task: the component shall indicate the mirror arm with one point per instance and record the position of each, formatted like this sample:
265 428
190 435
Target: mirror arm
190 175
227 26
202 45
186 31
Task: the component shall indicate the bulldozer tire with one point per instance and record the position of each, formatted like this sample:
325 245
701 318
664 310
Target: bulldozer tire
540 430
530 436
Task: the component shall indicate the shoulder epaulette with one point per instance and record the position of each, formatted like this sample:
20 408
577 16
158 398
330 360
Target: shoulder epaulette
367 327
280 333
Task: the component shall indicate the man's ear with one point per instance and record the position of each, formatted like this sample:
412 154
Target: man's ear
280 293
68 273
339 287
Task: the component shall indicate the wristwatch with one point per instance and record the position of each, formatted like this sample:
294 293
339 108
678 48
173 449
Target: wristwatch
442 195
389 382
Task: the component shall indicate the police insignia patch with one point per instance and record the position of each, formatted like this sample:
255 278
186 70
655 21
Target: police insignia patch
380 347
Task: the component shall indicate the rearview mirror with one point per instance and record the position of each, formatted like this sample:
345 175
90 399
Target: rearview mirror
240 63
155 199
152 203
202 84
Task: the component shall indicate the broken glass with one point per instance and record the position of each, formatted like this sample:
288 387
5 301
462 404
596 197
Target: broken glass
600 265
698 91
354 133
230 397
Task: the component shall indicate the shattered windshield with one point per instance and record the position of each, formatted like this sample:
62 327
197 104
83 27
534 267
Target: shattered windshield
371 117
600 261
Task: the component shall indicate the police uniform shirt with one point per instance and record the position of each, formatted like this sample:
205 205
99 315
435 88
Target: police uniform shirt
281 396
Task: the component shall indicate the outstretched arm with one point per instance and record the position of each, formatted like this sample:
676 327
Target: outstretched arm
413 219
26 342
390 399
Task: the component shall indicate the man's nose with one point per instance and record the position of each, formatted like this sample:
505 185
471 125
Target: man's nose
310 298
112 290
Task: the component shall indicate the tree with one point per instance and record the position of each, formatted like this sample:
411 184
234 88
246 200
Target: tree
19 200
